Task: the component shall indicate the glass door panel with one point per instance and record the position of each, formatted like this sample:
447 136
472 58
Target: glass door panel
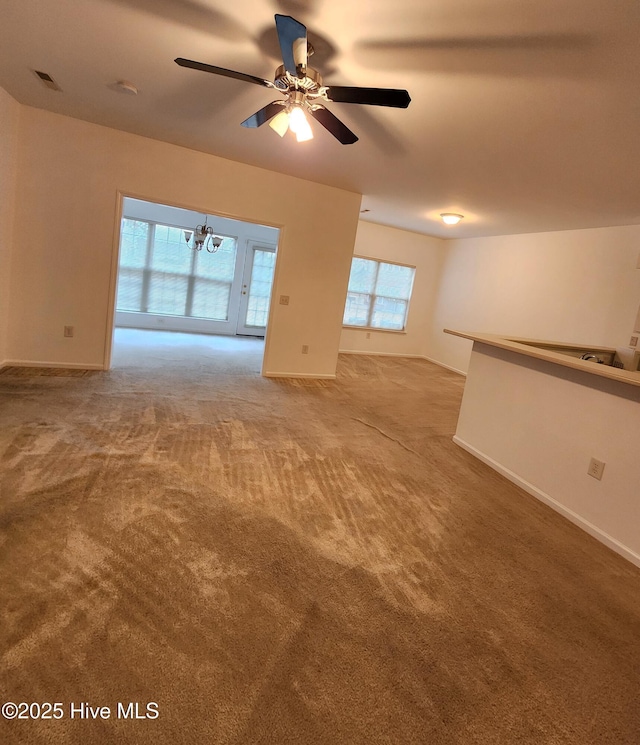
256 289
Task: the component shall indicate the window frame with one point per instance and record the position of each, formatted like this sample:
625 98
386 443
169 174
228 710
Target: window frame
147 272
372 296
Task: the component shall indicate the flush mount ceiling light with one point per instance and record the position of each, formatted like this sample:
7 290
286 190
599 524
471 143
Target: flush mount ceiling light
203 237
450 218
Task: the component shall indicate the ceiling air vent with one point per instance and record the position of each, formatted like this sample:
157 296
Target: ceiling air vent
48 80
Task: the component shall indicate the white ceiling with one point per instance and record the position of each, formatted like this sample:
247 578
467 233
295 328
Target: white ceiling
525 114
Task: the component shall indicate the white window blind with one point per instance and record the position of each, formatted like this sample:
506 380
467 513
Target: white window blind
160 274
378 294
167 294
211 299
260 287
134 240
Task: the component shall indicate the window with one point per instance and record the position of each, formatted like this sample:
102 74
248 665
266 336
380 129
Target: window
160 274
378 295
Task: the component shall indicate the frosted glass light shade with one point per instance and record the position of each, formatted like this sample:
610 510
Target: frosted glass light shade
299 125
450 218
280 123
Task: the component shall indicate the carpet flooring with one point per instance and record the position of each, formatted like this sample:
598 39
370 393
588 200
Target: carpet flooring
244 561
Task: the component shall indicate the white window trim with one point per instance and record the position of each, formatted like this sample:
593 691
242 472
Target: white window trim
377 329
373 296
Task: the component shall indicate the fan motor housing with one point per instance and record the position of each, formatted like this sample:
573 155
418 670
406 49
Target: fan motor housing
310 83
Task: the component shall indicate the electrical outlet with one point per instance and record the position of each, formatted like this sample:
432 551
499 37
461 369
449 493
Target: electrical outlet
368 334
284 300
305 349
68 331
596 468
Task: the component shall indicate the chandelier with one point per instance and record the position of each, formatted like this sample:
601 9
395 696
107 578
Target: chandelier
203 237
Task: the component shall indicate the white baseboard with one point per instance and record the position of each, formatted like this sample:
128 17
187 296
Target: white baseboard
447 367
588 527
60 365
310 376
381 354
409 356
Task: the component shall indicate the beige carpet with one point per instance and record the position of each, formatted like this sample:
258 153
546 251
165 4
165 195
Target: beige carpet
292 562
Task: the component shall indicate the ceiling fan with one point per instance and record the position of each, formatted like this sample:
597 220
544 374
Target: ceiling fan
303 89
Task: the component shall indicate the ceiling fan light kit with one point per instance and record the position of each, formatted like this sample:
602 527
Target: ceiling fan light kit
303 89
292 117
451 218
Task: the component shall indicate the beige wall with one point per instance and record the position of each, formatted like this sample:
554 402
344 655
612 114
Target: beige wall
574 286
9 119
425 253
70 174
539 424
571 286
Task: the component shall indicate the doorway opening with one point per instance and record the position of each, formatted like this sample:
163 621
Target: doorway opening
167 281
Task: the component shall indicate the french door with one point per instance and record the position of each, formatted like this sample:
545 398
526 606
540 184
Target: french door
257 280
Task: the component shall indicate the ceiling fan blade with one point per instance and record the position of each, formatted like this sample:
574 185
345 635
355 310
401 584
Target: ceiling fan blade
399 99
292 36
331 123
223 71
262 117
